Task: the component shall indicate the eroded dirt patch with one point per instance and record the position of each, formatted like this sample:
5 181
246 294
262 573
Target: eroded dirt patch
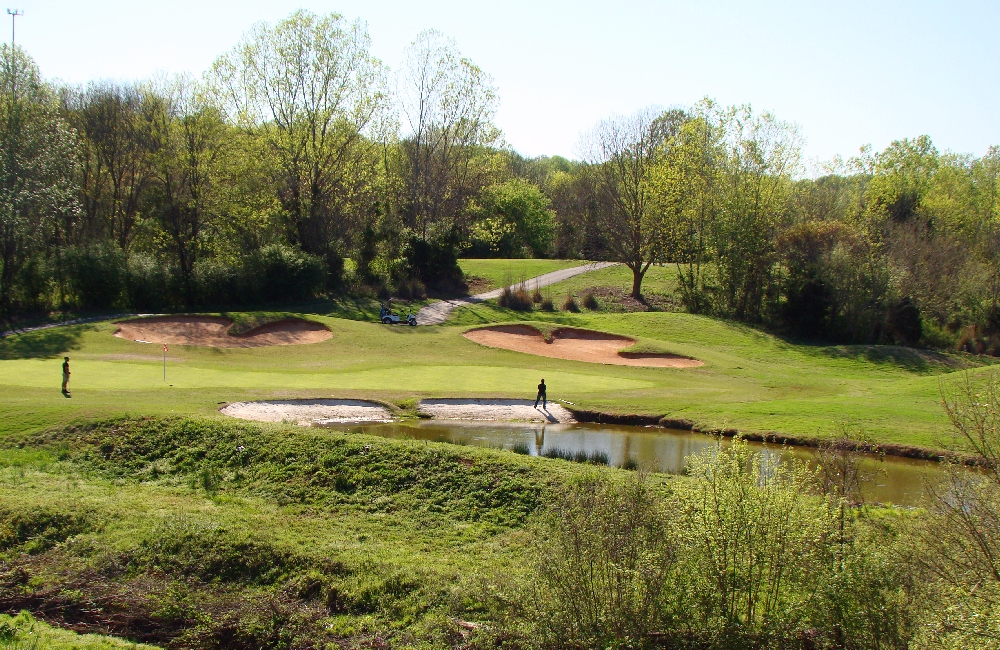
213 332
306 412
496 410
575 345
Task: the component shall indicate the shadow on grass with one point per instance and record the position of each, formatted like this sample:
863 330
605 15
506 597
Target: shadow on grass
42 344
910 359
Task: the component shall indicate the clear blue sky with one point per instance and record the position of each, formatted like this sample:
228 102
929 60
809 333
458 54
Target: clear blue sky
848 72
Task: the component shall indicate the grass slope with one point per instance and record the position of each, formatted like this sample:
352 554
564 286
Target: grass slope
208 533
24 632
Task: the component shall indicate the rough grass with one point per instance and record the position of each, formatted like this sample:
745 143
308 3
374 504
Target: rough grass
300 538
25 632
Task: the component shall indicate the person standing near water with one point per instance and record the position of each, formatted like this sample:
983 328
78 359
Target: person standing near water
541 395
65 388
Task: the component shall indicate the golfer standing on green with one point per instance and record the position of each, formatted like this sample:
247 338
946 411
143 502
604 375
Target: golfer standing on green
541 395
65 388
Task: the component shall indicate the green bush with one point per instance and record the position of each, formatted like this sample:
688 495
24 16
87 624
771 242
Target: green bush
96 275
278 273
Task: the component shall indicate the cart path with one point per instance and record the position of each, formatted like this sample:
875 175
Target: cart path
437 312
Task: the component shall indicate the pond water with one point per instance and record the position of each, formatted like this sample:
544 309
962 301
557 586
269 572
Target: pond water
900 481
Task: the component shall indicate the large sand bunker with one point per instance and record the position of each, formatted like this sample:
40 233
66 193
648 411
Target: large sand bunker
497 410
575 345
213 332
309 411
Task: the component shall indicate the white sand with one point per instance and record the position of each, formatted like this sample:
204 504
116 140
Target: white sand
502 410
308 411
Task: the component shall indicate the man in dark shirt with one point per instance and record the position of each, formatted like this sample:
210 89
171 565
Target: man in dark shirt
65 388
541 395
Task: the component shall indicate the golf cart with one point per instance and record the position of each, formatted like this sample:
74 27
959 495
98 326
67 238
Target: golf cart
389 318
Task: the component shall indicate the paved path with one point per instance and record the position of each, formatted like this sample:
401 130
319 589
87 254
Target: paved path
437 312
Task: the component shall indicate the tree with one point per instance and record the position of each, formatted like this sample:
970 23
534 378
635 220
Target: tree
449 104
683 185
515 220
624 152
36 166
190 135
761 154
115 169
311 89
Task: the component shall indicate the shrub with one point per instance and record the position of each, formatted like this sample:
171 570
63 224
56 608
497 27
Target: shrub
278 273
536 296
148 284
97 275
590 301
605 564
570 304
515 297
547 305
904 322
434 260
412 289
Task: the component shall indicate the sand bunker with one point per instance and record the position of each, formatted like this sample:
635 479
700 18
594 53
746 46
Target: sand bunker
575 345
306 412
497 410
212 331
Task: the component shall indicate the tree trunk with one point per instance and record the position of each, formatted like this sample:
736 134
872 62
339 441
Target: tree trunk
637 274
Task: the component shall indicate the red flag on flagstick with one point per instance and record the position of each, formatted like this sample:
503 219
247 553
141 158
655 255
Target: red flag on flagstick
164 347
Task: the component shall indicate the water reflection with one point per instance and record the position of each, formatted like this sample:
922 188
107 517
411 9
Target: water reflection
896 480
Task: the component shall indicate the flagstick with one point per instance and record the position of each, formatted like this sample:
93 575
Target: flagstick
164 363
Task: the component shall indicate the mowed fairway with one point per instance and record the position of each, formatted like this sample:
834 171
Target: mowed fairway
750 381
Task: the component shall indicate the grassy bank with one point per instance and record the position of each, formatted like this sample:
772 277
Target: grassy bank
196 533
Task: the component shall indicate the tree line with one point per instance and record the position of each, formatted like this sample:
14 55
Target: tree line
300 164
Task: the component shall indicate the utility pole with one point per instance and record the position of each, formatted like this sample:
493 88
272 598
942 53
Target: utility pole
14 13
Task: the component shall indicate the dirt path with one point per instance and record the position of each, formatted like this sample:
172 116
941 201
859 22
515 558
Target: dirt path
497 410
575 345
438 312
213 332
308 411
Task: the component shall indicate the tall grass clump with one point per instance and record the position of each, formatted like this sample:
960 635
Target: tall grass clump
515 296
570 304
590 301
521 447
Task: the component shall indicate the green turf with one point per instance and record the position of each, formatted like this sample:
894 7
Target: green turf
498 272
660 280
751 381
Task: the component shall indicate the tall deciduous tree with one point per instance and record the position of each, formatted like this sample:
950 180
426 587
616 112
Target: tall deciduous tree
624 152
761 155
115 169
36 164
449 104
312 89
190 135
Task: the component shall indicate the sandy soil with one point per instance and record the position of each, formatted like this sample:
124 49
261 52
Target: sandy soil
575 345
308 411
211 331
502 410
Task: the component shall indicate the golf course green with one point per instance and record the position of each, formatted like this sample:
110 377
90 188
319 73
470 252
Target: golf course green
751 381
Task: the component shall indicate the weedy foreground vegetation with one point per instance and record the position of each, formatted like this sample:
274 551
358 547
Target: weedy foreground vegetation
196 533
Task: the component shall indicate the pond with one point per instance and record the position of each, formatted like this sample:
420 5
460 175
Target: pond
900 481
